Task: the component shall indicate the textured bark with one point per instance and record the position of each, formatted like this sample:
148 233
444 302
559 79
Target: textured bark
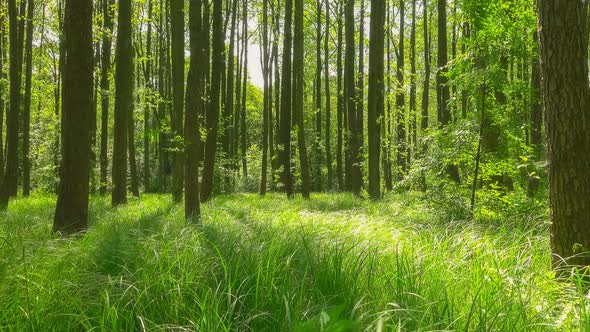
243 129
123 102
426 87
298 77
26 119
376 94
328 97
317 165
228 129
71 213
12 117
386 116
564 68
194 104
177 31
413 108
266 112
149 105
212 117
285 130
3 47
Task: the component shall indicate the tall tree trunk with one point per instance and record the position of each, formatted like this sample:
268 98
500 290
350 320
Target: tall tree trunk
386 117
148 109
194 104
360 97
243 129
3 47
177 30
400 100
426 87
376 94
353 146
71 213
298 76
286 102
123 101
413 111
564 67
328 97
27 102
317 166
215 102
277 92
12 118
131 145
442 82
228 129
266 108
340 101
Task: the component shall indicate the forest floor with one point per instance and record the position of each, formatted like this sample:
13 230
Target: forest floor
333 263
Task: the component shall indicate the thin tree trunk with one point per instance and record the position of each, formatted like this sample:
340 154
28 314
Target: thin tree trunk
149 102
400 101
328 97
123 102
353 146
340 101
27 102
71 213
317 166
286 102
228 129
105 91
298 76
376 94
194 103
413 111
266 108
177 31
131 145
12 118
215 102
244 131
426 87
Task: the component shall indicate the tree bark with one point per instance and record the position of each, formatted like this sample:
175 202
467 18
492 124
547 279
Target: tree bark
194 104
285 131
400 101
12 118
26 159
564 67
212 117
298 77
177 31
123 102
353 146
340 101
376 94
328 97
71 213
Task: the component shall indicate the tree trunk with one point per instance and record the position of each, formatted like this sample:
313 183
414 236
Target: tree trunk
71 213
298 77
340 101
123 102
27 102
194 103
105 91
400 101
413 111
132 153
426 87
328 97
228 129
353 146
286 102
3 47
12 118
243 129
376 95
177 30
148 108
266 108
212 118
564 67
317 166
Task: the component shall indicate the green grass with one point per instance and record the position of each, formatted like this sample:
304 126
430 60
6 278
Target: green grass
334 263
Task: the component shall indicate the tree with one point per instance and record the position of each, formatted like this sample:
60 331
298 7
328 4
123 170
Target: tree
177 51
426 87
340 100
12 117
123 102
400 100
71 213
298 94
443 93
214 103
563 36
285 129
376 94
266 112
194 104
105 66
328 96
27 100
317 166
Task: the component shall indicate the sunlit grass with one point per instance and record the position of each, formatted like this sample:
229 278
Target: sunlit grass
334 263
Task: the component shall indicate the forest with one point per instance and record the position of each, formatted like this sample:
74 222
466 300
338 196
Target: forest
294 165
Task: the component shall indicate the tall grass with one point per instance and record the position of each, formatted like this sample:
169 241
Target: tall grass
334 263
